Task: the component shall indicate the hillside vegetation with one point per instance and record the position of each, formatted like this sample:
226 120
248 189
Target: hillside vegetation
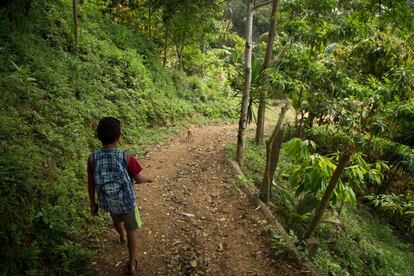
52 98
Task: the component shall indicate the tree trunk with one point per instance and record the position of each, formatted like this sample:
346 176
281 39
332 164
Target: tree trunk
180 58
247 83
203 50
272 156
298 108
28 6
327 195
300 128
149 18
75 22
266 64
180 50
164 62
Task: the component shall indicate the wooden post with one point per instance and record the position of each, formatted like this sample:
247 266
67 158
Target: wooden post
272 156
327 195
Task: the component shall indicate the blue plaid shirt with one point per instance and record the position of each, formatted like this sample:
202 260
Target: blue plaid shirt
114 186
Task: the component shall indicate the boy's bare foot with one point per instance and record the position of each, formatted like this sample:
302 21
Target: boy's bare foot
122 239
133 267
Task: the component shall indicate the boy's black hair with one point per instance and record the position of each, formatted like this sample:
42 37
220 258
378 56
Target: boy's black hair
109 130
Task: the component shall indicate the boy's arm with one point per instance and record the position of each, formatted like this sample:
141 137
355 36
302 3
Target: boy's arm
91 188
135 168
139 178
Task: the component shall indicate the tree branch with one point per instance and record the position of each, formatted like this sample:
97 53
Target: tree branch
395 20
281 52
262 4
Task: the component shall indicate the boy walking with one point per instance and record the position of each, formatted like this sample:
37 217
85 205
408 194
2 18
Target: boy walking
111 175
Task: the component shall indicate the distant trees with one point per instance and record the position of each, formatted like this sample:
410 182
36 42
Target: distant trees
183 23
190 24
172 25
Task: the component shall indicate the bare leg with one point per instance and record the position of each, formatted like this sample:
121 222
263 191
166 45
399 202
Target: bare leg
119 226
132 248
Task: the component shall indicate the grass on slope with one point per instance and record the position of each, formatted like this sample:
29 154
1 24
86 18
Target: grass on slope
366 246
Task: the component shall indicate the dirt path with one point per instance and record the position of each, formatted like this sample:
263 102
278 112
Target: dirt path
195 221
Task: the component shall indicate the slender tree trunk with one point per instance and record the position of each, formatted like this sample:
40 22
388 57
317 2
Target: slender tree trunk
296 111
296 120
266 64
180 50
75 22
369 153
300 128
149 18
203 50
327 195
180 57
320 120
166 44
27 7
272 156
247 83
310 120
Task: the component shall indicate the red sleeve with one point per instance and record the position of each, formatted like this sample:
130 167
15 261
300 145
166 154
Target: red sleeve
134 167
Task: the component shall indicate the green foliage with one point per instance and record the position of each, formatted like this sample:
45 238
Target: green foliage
399 208
299 150
294 212
394 156
402 120
311 173
340 68
279 246
365 246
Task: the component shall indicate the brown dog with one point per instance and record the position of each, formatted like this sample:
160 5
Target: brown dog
190 133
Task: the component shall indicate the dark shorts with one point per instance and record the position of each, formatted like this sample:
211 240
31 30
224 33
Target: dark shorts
132 220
